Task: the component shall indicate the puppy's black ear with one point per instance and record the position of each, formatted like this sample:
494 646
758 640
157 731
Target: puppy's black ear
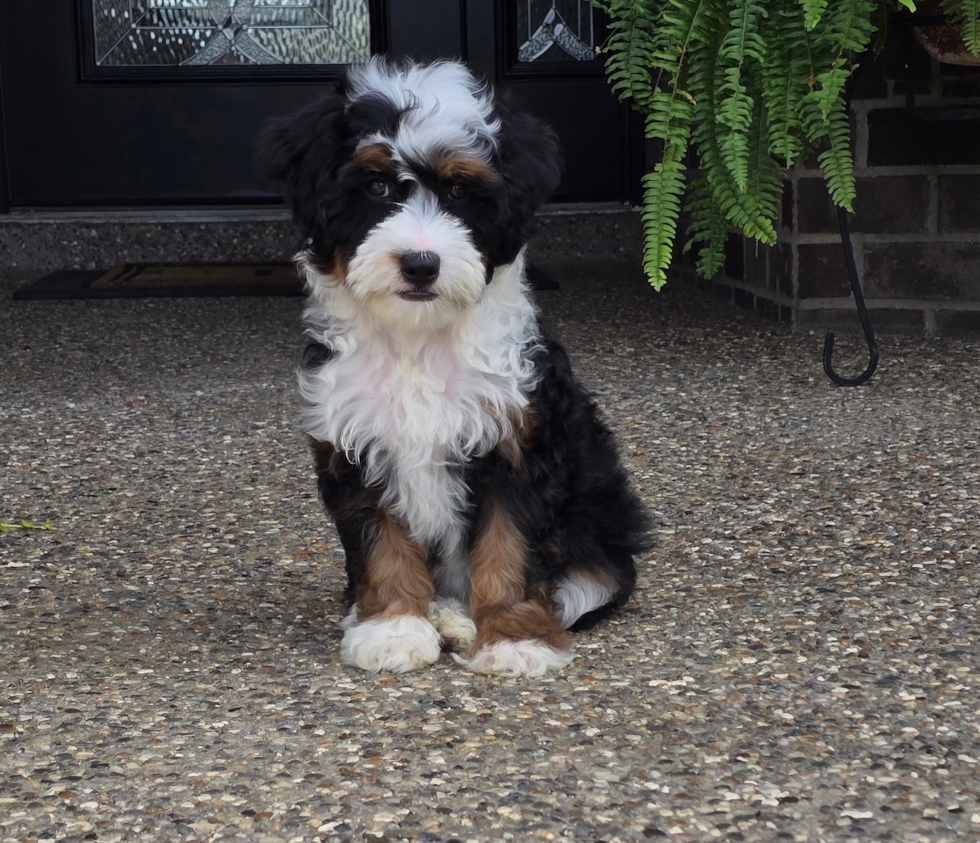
302 153
531 166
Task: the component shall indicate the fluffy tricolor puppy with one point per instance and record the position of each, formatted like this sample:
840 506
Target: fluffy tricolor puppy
480 501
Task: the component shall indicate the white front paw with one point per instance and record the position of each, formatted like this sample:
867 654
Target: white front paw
516 658
454 623
395 644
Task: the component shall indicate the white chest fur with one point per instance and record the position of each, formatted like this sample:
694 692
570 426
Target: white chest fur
412 406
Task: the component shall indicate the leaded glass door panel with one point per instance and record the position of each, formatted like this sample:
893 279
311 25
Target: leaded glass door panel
189 35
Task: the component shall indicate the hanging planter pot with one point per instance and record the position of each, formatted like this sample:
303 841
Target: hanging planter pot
943 41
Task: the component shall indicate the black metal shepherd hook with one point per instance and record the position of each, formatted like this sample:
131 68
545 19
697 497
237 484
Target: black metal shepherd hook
869 334
845 239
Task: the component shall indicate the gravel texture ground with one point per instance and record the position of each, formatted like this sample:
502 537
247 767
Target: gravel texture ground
800 661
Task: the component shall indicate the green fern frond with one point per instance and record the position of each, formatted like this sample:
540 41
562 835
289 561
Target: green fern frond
785 74
741 44
812 123
709 227
689 22
662 190
764 182
849 28
741 209
631 47
966 13
847 32
735 112
836 160
812 11
668 118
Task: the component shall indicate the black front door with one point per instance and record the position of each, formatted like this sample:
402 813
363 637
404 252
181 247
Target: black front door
156 102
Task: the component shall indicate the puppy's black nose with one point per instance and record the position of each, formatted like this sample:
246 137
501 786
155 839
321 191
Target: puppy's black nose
420 269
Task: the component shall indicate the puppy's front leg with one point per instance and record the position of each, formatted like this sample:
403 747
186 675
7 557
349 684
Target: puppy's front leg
388 628
517 631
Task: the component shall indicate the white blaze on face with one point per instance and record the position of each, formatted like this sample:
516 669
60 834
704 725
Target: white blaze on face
442 105
374 274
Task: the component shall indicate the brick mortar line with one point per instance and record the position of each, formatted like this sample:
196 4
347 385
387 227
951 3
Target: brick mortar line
888 304
822 238
760 292
847 302
897 102
884 171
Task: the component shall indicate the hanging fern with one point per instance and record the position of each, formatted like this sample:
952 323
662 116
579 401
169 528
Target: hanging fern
835 159
631 48
966 13
666 34
847 33
755 86
709 226
812 11
785 79
743 210
741 46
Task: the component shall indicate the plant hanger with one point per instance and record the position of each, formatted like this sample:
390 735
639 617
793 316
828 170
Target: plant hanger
869 334
852 273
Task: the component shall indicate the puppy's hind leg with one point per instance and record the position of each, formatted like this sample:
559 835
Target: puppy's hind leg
518 633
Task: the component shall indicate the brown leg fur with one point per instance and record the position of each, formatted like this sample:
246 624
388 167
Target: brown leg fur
398 580
503 606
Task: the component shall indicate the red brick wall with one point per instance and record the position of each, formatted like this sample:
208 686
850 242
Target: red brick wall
916 226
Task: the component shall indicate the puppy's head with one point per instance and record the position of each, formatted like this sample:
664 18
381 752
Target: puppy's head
413 183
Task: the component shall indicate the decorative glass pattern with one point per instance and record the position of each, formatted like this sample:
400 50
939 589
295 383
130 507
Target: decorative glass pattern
555 30
194 33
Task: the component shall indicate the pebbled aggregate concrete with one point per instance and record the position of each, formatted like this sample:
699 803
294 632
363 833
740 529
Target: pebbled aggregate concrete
800 661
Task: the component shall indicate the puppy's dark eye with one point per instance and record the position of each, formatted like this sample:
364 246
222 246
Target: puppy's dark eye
457 191
379 189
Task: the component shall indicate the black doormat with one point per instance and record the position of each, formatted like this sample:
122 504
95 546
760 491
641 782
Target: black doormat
147 280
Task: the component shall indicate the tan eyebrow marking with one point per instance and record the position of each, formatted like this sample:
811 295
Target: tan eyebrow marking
450 166
374 159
